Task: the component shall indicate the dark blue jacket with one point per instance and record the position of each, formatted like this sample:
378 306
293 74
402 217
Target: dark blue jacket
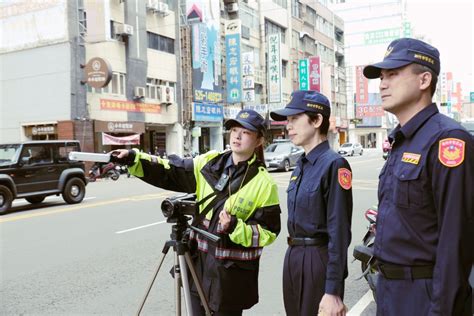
426 204
320 207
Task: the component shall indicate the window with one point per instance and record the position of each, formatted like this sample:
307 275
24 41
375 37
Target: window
281 3
296 8
115 86
311 15
284 64
272 28
160 42
153 90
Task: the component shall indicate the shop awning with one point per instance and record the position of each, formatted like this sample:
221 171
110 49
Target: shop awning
124 140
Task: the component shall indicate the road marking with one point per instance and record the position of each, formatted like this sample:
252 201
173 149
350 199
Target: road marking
82 206
362 304
139 227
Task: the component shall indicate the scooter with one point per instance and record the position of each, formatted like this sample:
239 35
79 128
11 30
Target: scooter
99 170
365 252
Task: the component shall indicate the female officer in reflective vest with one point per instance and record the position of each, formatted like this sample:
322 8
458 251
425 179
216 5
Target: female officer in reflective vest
247 219
319 212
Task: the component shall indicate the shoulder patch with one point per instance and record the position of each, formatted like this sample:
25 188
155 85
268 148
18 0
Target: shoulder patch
451 151
344 176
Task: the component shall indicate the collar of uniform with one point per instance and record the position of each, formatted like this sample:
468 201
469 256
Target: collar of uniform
419 119
314 154
229 163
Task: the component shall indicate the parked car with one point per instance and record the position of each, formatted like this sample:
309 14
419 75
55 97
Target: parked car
282 155
351 149
33 170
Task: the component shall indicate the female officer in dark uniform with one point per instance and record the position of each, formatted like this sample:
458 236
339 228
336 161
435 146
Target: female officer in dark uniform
319 212
245 213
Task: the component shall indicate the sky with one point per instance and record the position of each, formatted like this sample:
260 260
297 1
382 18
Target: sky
449 26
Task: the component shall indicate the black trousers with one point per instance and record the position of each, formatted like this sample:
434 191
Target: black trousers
304 279
199 310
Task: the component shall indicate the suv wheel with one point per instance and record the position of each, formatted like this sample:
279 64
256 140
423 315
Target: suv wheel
74 191
6 198
286 165
35 199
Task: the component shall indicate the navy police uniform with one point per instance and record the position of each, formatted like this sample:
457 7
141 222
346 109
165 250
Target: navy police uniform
319 218
424 241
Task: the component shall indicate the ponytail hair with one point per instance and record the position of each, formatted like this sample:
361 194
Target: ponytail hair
259 153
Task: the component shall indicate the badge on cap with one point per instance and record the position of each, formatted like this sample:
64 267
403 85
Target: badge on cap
345 178
451 152
411 158
244 115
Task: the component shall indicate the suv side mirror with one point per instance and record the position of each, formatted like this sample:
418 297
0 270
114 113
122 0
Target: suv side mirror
24 161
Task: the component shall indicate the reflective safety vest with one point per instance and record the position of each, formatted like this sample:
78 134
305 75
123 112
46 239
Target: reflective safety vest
257 193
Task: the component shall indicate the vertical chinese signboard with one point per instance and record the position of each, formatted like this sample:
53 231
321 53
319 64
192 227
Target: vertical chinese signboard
248 82
362 86
274 68
314 74
303 74
232 51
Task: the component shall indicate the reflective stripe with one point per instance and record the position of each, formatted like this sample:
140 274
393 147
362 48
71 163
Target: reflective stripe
247 254
255 235
202 245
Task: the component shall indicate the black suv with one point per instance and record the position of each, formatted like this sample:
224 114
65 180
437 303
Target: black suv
36 169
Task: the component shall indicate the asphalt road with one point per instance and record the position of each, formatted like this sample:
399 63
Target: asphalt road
98 257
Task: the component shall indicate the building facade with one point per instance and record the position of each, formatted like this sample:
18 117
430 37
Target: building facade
162 75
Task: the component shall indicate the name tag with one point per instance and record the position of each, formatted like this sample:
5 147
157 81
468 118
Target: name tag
411 158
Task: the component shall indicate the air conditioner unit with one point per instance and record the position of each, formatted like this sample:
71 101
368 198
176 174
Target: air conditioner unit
123 29
139 92
166 95
233 7
162 8
152 5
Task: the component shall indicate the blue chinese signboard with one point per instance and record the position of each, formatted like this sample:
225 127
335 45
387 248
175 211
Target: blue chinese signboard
207 112
232 51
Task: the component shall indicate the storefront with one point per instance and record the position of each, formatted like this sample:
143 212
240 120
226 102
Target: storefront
111 135
41 131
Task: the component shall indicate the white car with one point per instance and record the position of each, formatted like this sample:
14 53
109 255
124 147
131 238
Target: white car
351 149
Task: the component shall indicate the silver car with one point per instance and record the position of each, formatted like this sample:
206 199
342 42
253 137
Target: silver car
351 149
282 155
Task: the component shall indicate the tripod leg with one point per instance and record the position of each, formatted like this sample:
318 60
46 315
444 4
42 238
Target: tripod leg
185 283
151 283
198 283
178 272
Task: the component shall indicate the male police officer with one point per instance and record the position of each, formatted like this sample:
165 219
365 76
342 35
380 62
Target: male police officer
424 242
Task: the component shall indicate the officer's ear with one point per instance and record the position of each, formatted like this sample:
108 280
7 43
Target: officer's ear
318 121
425 80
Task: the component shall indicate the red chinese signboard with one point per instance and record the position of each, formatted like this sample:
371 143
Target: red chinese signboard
362 86
117 105
314 73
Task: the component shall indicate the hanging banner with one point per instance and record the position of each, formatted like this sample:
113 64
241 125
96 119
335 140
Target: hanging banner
274 68
232 51
124 140
314 73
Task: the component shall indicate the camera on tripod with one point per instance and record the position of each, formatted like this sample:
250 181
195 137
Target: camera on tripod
177 206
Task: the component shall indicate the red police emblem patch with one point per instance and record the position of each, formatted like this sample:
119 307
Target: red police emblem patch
451 152
345 178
